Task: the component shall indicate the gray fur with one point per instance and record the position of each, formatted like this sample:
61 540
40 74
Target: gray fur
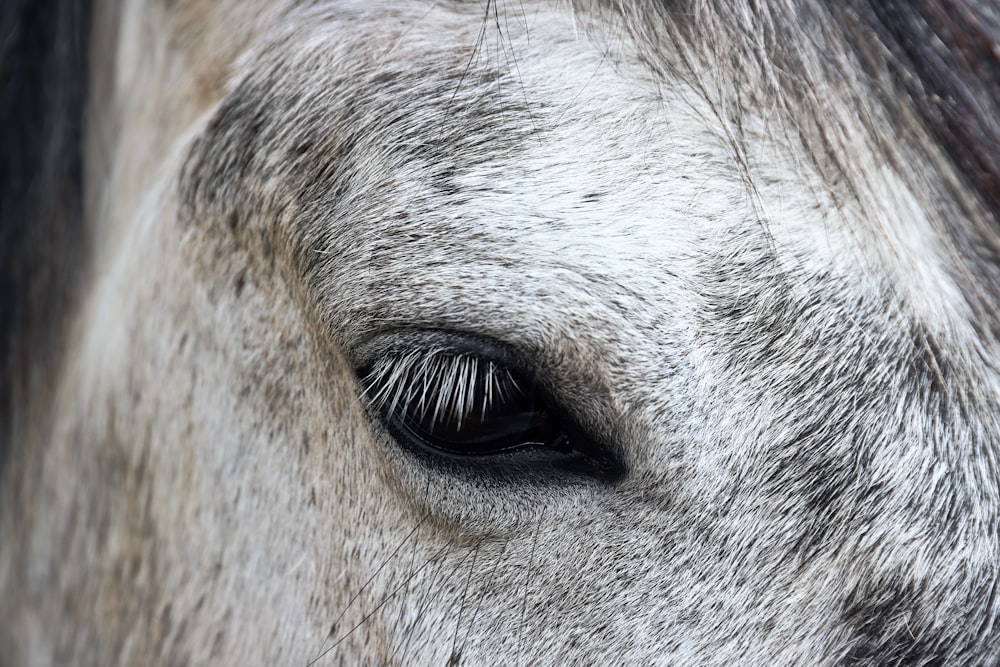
730 239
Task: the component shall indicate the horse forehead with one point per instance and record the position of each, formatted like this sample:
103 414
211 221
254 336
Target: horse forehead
531 157
551 136
541 137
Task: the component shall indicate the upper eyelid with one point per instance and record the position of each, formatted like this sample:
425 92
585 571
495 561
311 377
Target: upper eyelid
427 341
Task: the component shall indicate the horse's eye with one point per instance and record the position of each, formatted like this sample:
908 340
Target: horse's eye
458 405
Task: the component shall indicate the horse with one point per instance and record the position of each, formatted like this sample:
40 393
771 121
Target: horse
495 332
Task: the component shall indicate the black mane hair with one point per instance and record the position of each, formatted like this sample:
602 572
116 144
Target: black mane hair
43 77
946 56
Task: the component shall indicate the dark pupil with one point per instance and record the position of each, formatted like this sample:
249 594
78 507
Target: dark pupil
516 420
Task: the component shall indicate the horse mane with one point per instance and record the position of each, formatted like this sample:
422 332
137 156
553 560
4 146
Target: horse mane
946 55
43 87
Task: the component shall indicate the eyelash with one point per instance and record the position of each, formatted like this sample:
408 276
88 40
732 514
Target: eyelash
447 383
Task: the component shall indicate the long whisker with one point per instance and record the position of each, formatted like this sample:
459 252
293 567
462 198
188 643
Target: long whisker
527 580
385 600
426 598
479 604
409 571
363 587
465 592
